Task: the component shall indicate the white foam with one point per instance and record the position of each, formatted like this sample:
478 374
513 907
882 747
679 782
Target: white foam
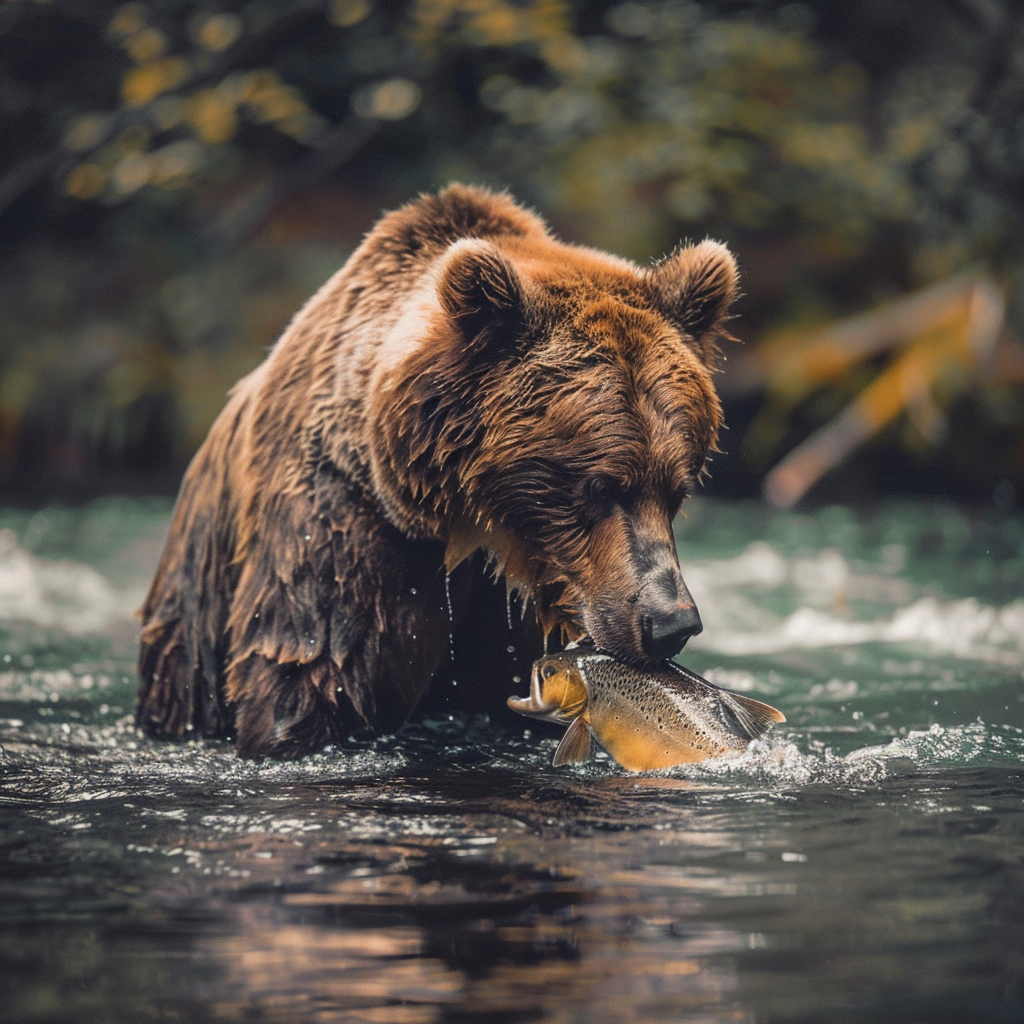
826 573
733 679
62 595
732 595
780 761
964 629
960 743
760 565
834 689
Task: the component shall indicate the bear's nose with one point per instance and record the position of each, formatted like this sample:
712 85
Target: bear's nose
664 633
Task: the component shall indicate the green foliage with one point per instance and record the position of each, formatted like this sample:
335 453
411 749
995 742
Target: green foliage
847 150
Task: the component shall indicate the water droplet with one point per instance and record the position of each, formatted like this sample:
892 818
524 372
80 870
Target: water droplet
512 650
451 626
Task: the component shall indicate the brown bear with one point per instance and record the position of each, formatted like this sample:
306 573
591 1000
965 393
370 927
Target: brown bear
467 391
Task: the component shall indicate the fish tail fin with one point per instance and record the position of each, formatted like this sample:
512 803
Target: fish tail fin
747 717
577 744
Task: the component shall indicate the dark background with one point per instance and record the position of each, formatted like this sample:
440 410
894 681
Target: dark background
177 177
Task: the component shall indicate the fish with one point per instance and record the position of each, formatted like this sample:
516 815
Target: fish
645 717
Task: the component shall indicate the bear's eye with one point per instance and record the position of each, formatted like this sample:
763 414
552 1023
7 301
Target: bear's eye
678 496
603 491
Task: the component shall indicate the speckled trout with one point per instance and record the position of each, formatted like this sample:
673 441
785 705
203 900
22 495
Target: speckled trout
644 717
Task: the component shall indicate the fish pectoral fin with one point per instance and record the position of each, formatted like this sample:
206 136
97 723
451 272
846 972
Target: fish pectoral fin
576 745
749 718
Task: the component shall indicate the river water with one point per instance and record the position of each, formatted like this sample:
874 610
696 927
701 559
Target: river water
865 862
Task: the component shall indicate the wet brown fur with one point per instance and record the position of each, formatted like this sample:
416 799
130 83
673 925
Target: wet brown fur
465 382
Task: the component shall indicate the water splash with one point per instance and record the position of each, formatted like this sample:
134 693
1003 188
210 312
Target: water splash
762 603
779 760
63 595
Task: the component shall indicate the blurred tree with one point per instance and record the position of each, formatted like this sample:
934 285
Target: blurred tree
149 153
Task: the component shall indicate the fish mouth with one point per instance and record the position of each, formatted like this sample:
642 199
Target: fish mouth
534 706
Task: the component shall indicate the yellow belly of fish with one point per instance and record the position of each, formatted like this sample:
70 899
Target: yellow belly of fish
640 745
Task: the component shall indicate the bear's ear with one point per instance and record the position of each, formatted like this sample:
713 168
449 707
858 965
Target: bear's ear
694 288
482 293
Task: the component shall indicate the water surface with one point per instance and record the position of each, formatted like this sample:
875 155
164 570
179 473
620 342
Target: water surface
865 862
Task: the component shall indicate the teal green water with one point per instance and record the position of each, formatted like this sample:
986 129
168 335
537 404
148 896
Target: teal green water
863 862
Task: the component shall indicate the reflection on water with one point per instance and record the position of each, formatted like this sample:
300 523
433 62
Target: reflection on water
863 863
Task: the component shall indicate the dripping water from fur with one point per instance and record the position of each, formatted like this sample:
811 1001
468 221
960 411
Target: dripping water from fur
451 623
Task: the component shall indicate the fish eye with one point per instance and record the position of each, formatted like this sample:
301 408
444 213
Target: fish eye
548 671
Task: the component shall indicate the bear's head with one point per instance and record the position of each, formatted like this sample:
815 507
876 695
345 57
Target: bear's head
555 406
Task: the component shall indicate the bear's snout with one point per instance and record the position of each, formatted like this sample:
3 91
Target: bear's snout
656 620
655 627
664 632
667 614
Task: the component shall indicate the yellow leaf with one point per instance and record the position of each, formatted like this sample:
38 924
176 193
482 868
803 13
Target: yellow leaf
86 181
128 19
276 102
173 163
255 82
213 119
145 45
345 13
132 172
147 81
86 131
390 100
219 32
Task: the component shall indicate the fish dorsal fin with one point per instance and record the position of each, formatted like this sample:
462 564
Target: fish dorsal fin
576 744
747 717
